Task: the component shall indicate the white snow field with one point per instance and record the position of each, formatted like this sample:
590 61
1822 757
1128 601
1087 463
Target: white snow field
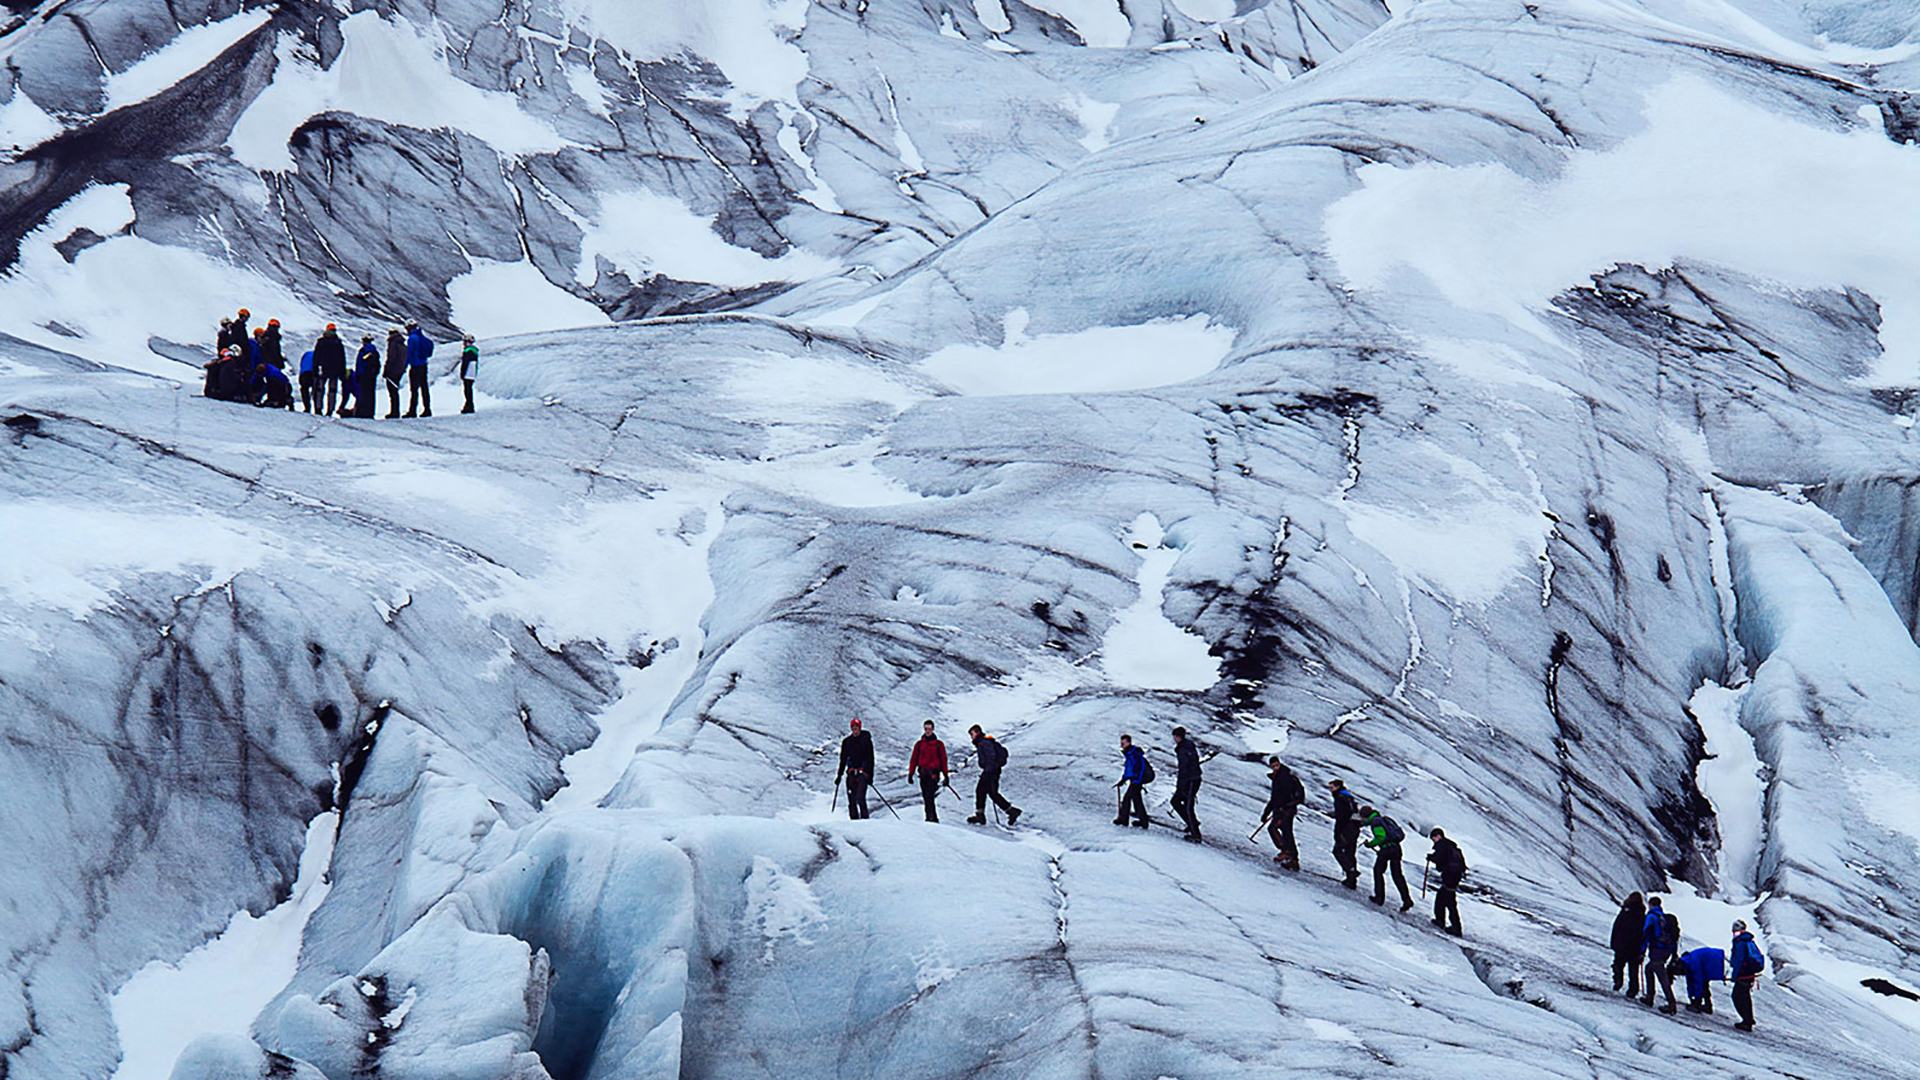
1506 407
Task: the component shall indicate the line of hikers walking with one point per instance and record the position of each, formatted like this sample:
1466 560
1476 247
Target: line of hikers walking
1638 931
1646 943
251 368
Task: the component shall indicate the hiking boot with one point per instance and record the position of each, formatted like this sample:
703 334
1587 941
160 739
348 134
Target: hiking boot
1352 881
1668 1008
1744 1025
1378 900
1441 923
1141 824
1456 931
1013 815
976 820
1406 906
1191 838
1119 821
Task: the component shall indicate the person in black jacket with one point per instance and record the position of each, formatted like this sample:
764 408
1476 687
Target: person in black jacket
271 348
991 757
396 367
1447 858
366 375
1283 802
1186 783
856 766
1629 941
329 369
225 338
1346 832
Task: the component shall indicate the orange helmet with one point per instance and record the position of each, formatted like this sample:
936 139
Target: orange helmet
244 313
273 322
330 326
259 330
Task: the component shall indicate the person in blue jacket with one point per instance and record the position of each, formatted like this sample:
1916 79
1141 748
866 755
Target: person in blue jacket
1704 966
419 352
1662 934
1748 963
279 389
1134 774
366 372
306 381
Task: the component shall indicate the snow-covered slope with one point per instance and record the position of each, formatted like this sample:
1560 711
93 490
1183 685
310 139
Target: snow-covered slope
1506 407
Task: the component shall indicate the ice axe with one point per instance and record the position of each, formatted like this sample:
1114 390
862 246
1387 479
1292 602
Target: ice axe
875 788
1257 828
836 795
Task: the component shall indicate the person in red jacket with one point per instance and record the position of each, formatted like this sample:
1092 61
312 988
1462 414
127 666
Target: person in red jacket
929 761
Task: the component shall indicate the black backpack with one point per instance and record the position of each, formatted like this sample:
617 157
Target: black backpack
999 753
1146 770
1292 791
1669 936
1395 834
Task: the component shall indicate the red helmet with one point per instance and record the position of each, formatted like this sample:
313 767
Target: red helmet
244 313
330 326
273 322
856 723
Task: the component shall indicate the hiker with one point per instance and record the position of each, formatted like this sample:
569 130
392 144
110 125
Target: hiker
240 337
1629 942
257 348
1385 842
1186 783
1283 802
1704 966
929 760
329 368
366 373
1748 963
419 352
991 757
226 377
274 389
224 339
271 349
469 369
1135 772
1662 934
1346 831
1447 858
307 376
396 366
856 765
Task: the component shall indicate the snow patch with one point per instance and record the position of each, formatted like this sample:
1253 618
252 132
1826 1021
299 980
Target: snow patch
24 124
1473 554
102 319
1731 777
1143 648
221 986
646 235
1095 360
500 299
189 51
1690 186
1100 23
1096 118
69 558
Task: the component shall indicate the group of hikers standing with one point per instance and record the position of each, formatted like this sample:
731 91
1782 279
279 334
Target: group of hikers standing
1643 936
1646 943
251 368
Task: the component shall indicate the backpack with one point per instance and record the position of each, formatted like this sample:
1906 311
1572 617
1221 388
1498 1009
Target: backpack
1395 834
1668 936
999 754
1292 791
1146 769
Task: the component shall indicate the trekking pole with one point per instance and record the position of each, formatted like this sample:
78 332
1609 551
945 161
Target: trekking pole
1428 869
875 788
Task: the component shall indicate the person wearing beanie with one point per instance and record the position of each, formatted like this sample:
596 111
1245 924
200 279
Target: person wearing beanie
469 369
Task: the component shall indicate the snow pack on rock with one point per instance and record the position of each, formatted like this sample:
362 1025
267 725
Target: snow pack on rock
1506 407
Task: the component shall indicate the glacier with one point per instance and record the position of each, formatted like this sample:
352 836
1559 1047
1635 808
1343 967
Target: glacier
1505 406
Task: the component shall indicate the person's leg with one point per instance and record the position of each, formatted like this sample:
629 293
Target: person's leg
1619 973
1440 906
1706 998
1400 880
468 384
393 399
1743 1003
1380 876
856 796
1137 804
1345 852
1453 910
929 795
1120 812
999 800
1666 983
1648 977
1286 835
